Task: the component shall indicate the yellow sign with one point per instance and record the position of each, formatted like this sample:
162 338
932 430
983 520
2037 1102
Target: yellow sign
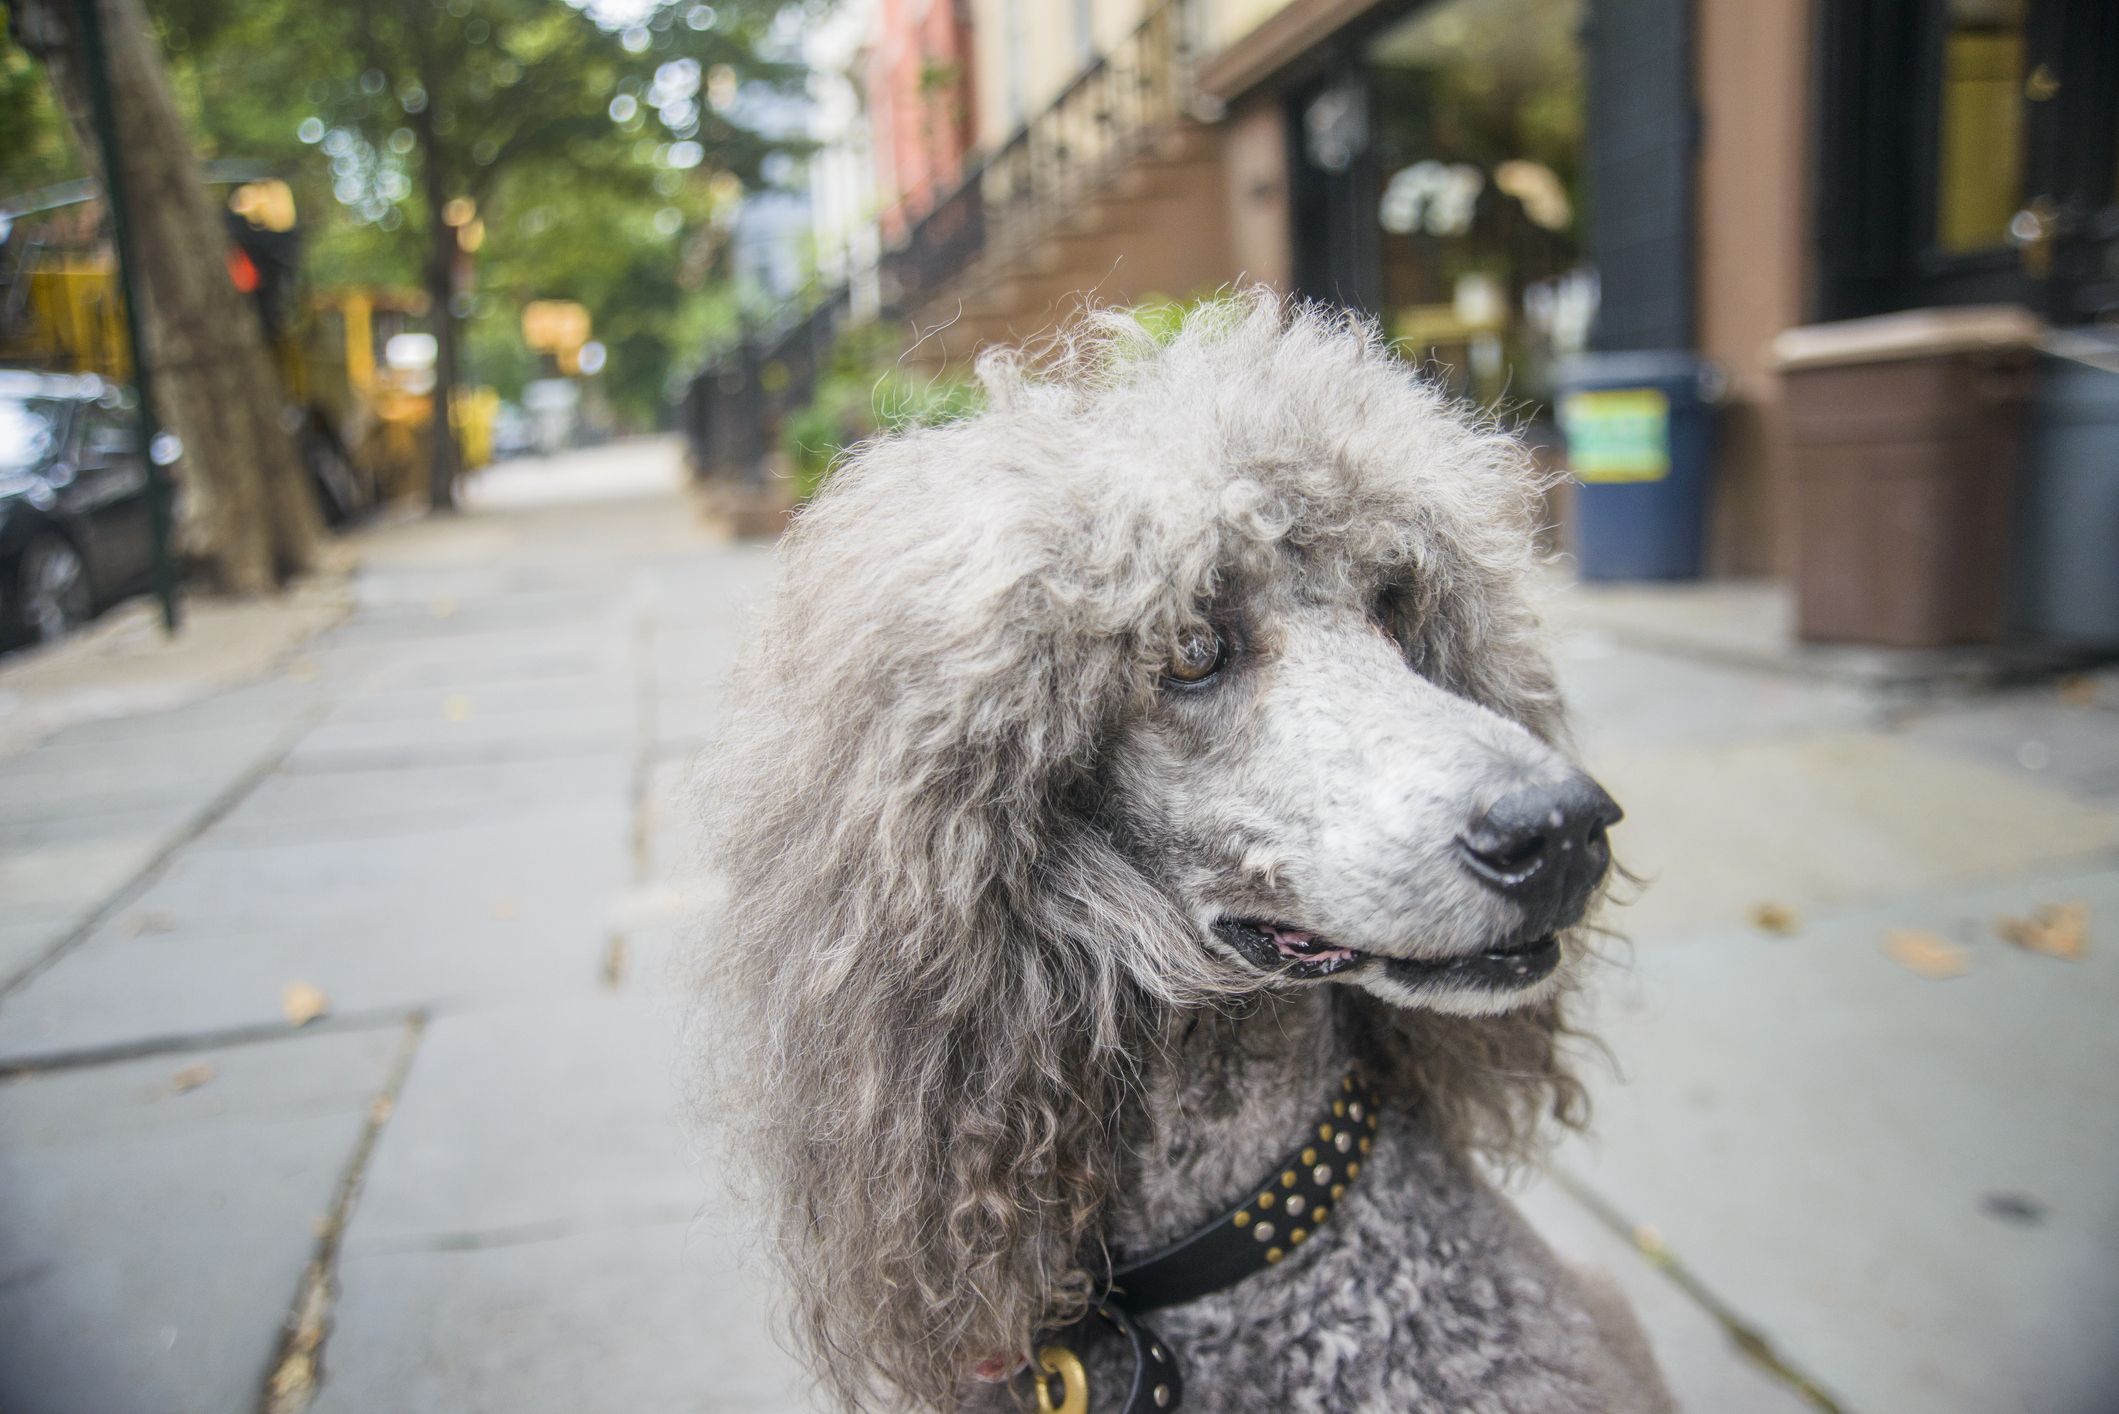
267 205
1618 435
554 326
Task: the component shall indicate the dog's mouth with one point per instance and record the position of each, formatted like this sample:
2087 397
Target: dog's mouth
1297 953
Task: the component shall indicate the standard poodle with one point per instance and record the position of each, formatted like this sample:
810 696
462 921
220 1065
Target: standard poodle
1155 876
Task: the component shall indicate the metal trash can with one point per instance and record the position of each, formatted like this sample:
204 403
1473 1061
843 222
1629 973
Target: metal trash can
1905 431
1639 429
2067 527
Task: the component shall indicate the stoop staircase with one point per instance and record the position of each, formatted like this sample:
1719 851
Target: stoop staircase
1115 194
1155 227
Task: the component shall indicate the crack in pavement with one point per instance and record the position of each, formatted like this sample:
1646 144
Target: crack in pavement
1746 1337
297 1367
215 810
189 1042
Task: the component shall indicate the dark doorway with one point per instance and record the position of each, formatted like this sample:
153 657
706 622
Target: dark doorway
1968 152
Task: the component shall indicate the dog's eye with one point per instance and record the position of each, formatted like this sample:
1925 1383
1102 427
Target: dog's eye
1197 655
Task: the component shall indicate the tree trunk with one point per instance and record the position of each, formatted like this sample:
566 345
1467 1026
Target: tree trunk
444 460
245 510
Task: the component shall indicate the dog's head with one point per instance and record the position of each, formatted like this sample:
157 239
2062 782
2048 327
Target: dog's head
1336 754
1200 668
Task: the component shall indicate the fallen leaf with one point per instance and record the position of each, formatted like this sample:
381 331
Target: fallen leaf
303 1002
1929 955
507 910
2080 690
2054 929
191 1077
456 707
1775 918
156 922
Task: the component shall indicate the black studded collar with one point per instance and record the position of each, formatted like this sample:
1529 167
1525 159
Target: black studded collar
1274 1219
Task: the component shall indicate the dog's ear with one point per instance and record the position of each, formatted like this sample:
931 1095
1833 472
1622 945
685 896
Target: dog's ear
931 978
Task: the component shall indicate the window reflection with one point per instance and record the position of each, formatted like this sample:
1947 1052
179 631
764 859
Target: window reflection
1979 178
1477 114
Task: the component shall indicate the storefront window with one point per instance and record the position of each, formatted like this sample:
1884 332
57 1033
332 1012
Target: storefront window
1979 176
1474 121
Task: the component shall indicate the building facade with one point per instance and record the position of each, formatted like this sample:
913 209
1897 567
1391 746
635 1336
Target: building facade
1504 183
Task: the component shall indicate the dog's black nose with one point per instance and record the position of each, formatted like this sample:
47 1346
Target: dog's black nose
1544 847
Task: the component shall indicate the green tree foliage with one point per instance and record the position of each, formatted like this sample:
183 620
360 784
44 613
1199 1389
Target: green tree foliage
34 149
599 145
435 114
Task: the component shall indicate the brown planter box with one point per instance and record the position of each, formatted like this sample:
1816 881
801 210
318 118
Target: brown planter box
1905 433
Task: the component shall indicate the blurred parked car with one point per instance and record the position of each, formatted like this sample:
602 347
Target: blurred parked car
74 530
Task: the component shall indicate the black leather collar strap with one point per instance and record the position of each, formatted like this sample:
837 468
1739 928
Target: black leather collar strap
1273 1220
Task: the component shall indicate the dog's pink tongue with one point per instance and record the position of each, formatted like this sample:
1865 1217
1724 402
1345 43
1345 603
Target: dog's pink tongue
1295 943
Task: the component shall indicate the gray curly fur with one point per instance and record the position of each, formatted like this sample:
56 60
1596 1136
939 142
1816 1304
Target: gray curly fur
997 1040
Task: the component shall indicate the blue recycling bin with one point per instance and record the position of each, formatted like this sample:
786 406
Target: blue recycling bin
1639 430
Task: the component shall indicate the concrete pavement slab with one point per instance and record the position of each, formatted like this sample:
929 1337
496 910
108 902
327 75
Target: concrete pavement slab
77 875
580 693
674 820
1912 1185
126 666
1703 1367
354 805
1619 696
151 1242
28 934
2036 733
279 699
1819 820
66 779
457 727
113 993
381 668
515 899
559 847
557 1116
608 1321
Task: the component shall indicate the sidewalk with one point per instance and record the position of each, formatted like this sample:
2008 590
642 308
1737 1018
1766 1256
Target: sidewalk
455 820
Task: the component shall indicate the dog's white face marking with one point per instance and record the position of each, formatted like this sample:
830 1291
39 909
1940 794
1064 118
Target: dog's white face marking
1310 800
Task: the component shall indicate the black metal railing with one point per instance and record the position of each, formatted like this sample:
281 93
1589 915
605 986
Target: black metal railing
733 406
1118 106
